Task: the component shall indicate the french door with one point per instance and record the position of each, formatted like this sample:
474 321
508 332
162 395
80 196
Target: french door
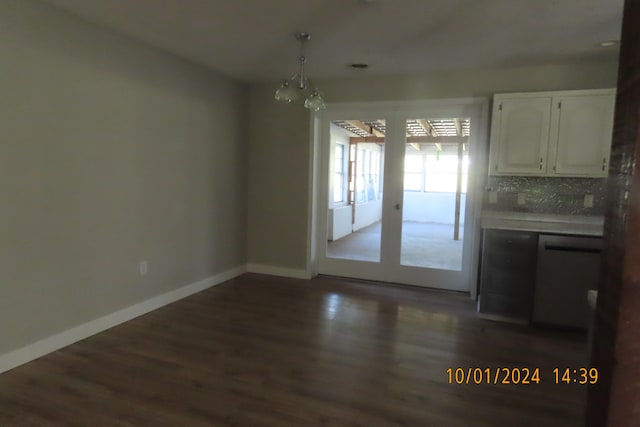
397 195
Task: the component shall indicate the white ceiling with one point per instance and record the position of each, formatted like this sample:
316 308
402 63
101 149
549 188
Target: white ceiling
253 39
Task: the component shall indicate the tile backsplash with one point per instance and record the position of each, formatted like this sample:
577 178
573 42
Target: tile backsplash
545 195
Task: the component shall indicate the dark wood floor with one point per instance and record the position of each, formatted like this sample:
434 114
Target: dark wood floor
260 351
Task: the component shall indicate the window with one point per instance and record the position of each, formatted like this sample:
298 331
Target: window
352 173
441 173
339 175
413 172
434 173
367 174
360 182
374 176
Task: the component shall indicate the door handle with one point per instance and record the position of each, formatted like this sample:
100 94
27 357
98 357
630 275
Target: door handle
397 206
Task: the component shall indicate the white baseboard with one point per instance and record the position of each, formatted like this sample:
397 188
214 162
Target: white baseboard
278 271
55 342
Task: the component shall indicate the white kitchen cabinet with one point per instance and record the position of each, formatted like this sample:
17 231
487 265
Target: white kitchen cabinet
564 133
520 135
582 143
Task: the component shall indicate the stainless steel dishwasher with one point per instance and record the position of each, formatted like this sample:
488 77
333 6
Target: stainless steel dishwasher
567 268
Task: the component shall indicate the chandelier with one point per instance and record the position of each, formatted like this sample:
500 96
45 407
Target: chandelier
299 83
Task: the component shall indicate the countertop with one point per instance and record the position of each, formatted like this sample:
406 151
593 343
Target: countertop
544 223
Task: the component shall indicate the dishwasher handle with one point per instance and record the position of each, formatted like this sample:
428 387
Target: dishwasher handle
570 244
567 248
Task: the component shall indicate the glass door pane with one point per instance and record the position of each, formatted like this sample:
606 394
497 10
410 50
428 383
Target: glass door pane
434 194
355 182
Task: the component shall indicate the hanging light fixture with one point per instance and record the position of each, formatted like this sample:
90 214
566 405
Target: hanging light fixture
299 83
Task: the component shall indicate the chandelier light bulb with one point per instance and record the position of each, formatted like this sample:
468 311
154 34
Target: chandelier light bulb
286 93
314 101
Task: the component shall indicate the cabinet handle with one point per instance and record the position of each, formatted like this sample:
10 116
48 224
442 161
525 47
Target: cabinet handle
541 163
604 163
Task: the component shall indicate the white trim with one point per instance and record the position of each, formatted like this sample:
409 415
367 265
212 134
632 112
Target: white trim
278 271
312 209
396 112
55 342
580 92
479 179
366 109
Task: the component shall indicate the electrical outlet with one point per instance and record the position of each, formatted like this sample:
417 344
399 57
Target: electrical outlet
493 197
588 200
522 199
144 268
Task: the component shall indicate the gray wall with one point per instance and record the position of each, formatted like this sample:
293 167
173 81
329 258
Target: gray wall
279 139
110 153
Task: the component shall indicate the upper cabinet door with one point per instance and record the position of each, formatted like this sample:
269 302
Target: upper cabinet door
582 143
520 135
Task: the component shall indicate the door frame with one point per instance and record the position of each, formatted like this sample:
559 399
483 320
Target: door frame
478 150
